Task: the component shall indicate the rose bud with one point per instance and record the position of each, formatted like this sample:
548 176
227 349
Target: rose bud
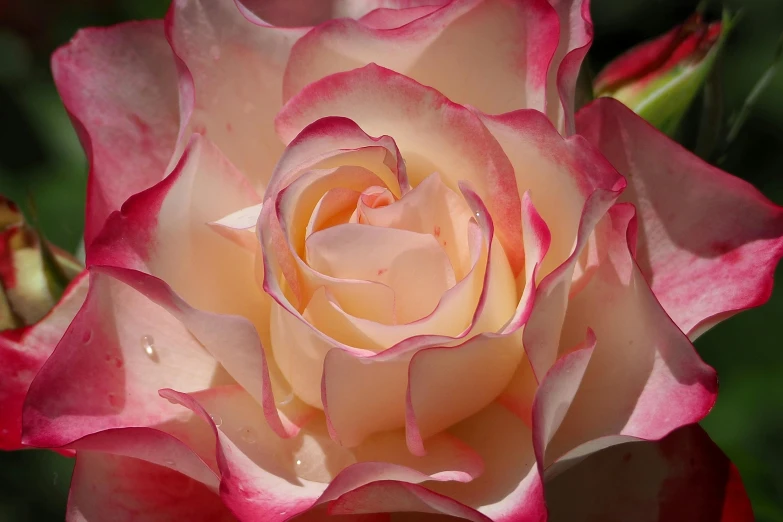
658 79
32 273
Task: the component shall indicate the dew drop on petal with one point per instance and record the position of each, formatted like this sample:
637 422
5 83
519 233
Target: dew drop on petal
169 463
298 462
217 419
148 344
87 336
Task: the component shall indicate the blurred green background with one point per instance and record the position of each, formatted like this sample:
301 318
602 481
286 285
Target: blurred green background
40 155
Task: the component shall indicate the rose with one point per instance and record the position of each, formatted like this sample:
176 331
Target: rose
528 341
659 78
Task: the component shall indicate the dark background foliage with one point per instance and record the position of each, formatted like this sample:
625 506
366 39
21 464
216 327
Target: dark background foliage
40 155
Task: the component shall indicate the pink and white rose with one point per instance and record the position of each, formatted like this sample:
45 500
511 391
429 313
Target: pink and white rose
365 263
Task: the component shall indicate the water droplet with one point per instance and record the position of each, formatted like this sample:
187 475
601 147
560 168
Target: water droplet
148 343
217 420
169 463
478 215
214 52
298 462
113 400
87 336
172 401
248 435
287 399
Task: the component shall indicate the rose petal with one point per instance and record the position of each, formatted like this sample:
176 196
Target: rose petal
576 35
642 363
390 18
24 351
391 13
681 478
400 497
709 242
560 173
261 471
556 393
323 144
430 208
433 134
215 40
118 351
112 487
413 265
163 231
155 447
506 46
119 85
510 489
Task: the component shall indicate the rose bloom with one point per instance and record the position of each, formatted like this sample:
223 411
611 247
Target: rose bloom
359 260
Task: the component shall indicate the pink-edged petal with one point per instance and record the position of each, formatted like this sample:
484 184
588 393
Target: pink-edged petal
24 351
389 18
519 394
363 8
556 393
106 371
436 396
153 446
507 47
400 497
389 13
576 35
542 335
123 489
161 245
682 478
561 175
231 339
433 134
119 85
644 378
215 40
279 478
430 208
351 379
510 489
709 242
413 265
323 144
